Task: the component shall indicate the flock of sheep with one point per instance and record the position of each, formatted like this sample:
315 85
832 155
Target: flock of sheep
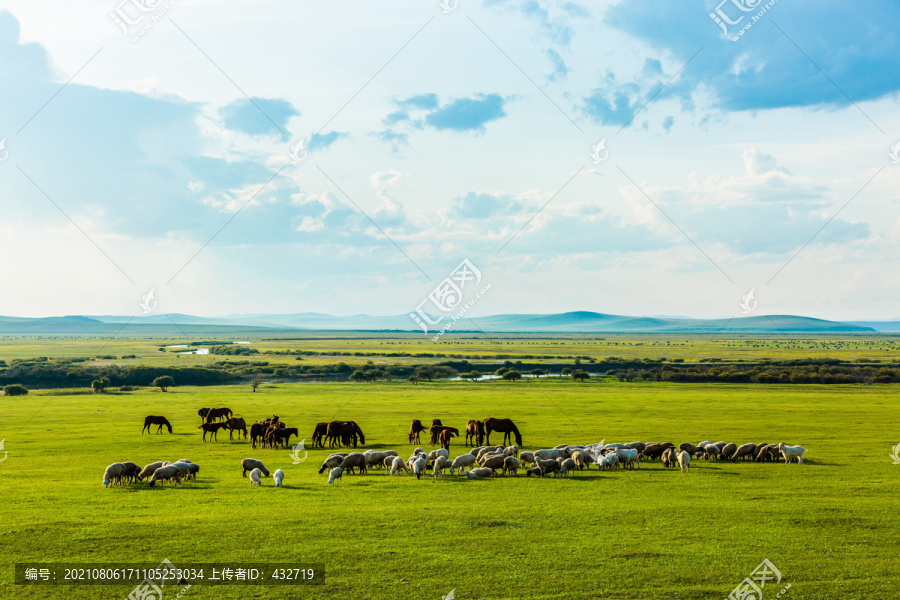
485 461
129 472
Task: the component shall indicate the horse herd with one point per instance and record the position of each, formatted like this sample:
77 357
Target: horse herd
478 433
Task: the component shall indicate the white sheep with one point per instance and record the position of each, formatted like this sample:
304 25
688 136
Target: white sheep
551 454
419 466
463 460
565 466
433 455
279 478
149 470
684 459
113 474
439 465
165 474
526 458
511 463
629 457
511 450
335 474
397 464
791 452
479 473
374 459
255 477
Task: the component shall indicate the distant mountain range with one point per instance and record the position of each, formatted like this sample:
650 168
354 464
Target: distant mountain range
570 322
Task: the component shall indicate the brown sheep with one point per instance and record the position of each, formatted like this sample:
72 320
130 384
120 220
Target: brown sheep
729 450
745 451
669 458
690 449
652 451
534 471
547 466
494 462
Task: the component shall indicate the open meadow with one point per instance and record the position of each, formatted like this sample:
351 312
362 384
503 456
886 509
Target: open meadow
830 525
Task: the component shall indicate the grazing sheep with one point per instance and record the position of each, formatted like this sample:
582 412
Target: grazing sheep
391 453
729 450
744 451
761 452
463 460
690 449
354 460
333 460
629 458
388 462
374 459
711 452
184 470
669 458
511 463
131 472
704 443
335 474
439 465
480 473
534 471
639 446
397 465
113 474
279 478
511 450
433 455
582 458
248 464
651 451
791 452
684 459
494 462
170 472
720 445
255 477
149 470
486 450
566 466
547 466
527 458
419 466
551 454
195 468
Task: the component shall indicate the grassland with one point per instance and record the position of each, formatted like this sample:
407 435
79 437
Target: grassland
831 525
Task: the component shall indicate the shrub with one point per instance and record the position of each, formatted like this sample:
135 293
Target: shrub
15 390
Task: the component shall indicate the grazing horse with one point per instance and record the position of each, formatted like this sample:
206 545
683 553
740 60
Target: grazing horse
438 430
446 435
504 426
283 435
236 424
318 436
151 420
212 429
435 431
415 428
202 413
475 433
214 414
343 432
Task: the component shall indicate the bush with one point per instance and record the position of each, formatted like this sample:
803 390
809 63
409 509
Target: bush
163 382
15 390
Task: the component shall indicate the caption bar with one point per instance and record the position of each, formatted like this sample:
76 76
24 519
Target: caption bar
168 574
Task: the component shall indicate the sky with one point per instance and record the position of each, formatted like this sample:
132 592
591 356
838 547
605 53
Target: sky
344 157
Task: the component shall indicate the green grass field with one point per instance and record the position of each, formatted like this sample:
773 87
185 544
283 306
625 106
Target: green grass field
830 525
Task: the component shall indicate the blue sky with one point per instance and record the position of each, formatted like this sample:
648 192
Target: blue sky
429 138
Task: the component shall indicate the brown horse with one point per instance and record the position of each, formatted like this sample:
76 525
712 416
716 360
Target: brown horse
343 432
202 413
151 420
212 429
475 433
284 436
504 426
318 436
438 430
236 424
415 428
214 414
435 431
446 435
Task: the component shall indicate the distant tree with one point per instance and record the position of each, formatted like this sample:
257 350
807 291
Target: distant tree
163 382
15 390
425 373
512 376
414 380
254 382
357 376
501 371
472 375
566 372
537 372
620 375
99 385
580 375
